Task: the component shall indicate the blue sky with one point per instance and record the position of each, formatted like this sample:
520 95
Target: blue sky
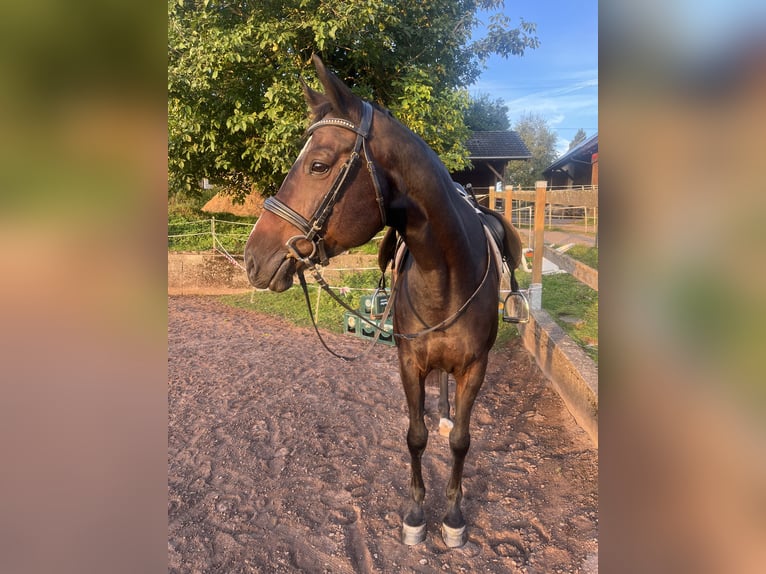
558 80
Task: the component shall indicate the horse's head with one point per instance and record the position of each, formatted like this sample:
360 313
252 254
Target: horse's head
331 199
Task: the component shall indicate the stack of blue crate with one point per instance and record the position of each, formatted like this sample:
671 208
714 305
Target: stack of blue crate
371 307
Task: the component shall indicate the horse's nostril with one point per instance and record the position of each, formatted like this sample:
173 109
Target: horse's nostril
250 267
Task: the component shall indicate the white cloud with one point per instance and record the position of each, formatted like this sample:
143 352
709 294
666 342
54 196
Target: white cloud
567 102
556 120
559 101
563 101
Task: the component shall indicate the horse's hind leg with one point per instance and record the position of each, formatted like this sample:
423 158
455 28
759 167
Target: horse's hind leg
414 526
467 388
445 421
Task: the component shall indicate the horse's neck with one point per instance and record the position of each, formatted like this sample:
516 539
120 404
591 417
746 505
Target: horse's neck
437 232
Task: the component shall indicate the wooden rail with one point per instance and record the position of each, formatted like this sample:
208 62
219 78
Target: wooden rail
581 196
585 197
577 269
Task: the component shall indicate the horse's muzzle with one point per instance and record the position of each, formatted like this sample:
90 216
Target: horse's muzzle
273 275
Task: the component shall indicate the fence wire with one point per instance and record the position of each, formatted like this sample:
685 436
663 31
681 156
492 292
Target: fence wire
207 234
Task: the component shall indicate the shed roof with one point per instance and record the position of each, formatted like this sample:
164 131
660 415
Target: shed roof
497 145
581 152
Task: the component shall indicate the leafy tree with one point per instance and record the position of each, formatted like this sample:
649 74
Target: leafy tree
578 137
236 111
486 115
541 141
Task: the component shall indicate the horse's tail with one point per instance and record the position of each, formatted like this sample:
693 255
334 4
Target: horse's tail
511 240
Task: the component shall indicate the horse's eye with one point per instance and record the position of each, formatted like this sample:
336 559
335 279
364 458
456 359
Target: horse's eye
318 168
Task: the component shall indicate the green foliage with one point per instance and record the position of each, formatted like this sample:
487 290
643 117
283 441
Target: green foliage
236 113
486 115
578 137
183 206
538 136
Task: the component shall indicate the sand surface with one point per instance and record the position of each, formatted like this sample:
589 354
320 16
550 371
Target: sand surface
282 458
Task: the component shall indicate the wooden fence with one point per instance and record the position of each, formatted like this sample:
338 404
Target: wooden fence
531 208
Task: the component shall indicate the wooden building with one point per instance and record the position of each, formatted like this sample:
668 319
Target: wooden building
490 152
577 167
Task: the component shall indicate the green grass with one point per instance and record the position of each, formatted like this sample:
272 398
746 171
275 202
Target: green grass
291 304
186 234
572 305
369 248
569 229
563 298
505 333
587 255
185 206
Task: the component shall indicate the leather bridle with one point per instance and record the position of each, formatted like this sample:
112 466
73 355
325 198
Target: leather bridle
313 229
312 232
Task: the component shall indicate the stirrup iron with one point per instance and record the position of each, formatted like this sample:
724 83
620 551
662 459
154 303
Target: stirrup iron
516 308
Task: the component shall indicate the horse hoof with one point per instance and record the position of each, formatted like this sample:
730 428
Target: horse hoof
445 426
453 537
412 535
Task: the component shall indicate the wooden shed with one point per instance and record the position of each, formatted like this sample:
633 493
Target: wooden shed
490 153
577 167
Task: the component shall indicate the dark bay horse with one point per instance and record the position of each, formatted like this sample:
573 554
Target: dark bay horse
362 170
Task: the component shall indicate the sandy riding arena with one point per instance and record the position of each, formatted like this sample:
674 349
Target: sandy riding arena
285 459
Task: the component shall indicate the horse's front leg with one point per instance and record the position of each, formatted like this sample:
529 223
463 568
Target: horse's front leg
467 388
414 524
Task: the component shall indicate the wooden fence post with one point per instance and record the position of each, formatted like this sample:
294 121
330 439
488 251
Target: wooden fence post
508 202
536 287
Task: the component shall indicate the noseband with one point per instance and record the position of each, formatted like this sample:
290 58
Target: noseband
312 229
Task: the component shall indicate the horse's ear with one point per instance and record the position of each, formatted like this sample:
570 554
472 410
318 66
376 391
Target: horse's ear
340 96
313 98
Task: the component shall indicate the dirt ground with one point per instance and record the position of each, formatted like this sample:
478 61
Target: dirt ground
285 459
